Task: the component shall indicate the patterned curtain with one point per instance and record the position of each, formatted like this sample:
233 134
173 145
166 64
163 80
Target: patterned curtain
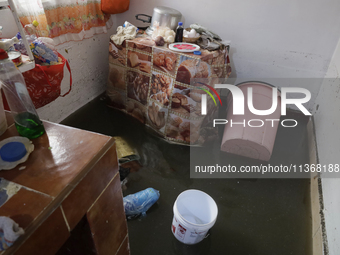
64 20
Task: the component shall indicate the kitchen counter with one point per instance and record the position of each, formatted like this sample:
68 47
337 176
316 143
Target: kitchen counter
70 173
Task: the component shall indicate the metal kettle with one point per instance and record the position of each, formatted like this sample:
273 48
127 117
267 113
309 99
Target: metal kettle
167 17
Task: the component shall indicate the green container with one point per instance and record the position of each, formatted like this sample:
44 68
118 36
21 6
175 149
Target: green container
29 125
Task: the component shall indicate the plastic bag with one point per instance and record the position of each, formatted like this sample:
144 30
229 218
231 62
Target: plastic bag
43 54
47 44
125 32
140 202
165 32
44 83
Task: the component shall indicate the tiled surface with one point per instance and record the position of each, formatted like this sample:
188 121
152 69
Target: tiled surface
105 219
25 206
58 158
90 187
48 237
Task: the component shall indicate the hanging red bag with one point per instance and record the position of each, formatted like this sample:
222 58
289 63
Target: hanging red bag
114 6
43 82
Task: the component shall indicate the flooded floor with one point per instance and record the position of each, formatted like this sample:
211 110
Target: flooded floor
255 216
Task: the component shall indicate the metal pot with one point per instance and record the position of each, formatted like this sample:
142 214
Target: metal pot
166 17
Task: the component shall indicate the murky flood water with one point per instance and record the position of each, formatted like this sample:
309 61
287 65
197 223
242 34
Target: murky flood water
255 216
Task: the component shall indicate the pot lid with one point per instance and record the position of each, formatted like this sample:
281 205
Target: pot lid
167 10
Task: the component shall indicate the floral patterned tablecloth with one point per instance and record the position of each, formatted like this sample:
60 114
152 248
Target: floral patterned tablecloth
158 87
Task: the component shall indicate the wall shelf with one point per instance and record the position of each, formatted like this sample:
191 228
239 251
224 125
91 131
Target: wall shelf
27 65
28 60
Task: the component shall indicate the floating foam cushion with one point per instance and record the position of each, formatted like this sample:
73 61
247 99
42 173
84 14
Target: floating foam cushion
12 151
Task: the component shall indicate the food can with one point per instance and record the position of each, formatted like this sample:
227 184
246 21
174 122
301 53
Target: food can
15 56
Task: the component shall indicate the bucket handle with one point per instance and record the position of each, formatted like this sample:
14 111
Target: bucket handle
148 20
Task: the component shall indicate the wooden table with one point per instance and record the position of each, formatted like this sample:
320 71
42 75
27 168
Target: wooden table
70 173
163 88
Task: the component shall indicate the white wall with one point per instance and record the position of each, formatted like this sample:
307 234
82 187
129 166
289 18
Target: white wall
270 38
327 126
89 66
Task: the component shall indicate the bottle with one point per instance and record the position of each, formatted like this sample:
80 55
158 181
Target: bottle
31 29
179 32
19 46
23 111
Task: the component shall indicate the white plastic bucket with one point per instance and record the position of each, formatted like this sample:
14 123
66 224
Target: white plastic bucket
252 142
195 212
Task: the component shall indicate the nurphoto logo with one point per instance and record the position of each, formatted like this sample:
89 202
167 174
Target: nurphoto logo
239 104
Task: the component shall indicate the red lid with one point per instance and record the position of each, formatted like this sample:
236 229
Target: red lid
3 54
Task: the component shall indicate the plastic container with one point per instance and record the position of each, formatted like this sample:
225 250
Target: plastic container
12 151
8 44
10 162
3 120
25 116
16 57
179 32
247 141
195 212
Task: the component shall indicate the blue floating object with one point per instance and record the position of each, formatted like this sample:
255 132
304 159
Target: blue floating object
12 151
197 52
140 202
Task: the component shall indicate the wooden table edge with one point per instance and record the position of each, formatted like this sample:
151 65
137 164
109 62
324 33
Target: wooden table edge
57 201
